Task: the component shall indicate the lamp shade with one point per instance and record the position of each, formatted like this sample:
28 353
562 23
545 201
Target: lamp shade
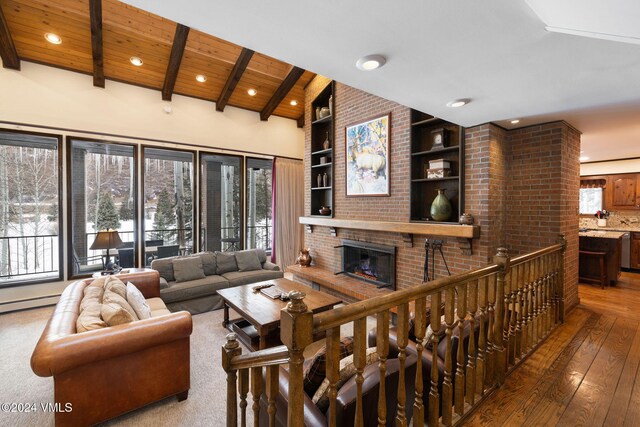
107 240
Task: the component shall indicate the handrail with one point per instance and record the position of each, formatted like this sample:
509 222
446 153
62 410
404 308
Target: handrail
528 257
332 318
268 357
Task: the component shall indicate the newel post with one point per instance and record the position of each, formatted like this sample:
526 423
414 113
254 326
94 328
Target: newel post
560 290
230 350
503 260
296 332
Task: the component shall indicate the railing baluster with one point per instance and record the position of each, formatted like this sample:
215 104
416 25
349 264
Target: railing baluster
434 396
359 361
502 259
230 350
482 338
525 309
243 385
419 328
382 341
256 393
562 241
512 279
491 337
517 284
403 331
273 373
461 310
472 307
447 387
532 305
333 370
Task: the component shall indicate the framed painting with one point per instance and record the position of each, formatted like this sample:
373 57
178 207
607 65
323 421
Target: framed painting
367 157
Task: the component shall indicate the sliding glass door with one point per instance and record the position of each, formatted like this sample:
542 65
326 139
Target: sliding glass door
258 206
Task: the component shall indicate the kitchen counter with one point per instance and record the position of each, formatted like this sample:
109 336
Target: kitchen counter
609 242
601 234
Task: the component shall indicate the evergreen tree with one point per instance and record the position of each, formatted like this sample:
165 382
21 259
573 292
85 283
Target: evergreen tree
126 211
107 215
165 218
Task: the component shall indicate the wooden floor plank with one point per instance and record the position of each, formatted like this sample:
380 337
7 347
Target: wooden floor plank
548 401
590 404
620 403
498 406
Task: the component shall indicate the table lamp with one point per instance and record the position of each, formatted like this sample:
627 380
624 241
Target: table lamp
108 239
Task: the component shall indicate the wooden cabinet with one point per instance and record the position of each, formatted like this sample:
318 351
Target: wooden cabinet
322 147
427 134
625 191
635 251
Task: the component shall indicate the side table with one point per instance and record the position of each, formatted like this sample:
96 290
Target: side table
99 274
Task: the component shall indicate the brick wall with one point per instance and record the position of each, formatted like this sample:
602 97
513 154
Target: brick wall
506 175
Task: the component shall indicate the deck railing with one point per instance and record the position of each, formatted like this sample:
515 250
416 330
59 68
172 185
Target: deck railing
511 305
23 256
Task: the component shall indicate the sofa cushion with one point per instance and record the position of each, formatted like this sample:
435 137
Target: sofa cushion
209 264
138 302
90 318
164 266
226 262
113 284
347 370
315 369
193 289
92 294
239 278
187 269
157 306
116 310
262 255
248 260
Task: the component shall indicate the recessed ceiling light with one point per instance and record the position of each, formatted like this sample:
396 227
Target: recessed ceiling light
458 103
136 61
201 78
252 92
583 158
53 38
294 102
370 62
515 121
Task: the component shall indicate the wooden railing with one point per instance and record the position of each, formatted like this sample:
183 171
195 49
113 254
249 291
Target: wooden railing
511 306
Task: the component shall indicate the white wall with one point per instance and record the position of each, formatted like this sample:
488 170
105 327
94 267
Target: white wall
48 96
45 96
605 168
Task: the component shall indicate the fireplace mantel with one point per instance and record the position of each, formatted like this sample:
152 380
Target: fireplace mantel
464 233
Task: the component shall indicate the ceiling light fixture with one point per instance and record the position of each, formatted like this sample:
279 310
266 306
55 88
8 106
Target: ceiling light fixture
294 102
370 62
458 103
136 61
252 92
201 78
515 121
53 38
584 158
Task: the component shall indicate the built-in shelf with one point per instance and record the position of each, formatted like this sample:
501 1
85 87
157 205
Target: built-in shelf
434 179
322 165
429 121
322 120
430 152
328 150
322 132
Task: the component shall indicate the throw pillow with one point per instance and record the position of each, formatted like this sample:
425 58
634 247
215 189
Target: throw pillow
138 302
113 298
188 268
91 294
316 370
208 262
90 319
164 266
114 284
248 260
226 262
114 315
347 370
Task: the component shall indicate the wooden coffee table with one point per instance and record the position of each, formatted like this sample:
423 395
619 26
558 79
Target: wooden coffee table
259 325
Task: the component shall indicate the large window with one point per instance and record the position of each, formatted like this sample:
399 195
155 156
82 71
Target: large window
29 208
590 200
220 202
259 204
102 190
168 203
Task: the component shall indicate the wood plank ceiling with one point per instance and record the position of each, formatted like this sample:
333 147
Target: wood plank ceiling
100 36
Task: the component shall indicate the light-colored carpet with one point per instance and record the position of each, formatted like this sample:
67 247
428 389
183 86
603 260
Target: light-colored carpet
206 405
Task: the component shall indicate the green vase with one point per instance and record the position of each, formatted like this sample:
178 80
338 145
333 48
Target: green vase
441 207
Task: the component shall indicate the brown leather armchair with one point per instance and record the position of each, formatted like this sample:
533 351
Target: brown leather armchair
107 372
346 398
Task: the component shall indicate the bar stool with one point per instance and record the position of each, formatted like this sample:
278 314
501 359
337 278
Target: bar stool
601 277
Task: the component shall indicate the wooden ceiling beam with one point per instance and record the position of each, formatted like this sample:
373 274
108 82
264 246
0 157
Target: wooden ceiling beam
177 51
8 52
281 92
95 15
300 121
234 78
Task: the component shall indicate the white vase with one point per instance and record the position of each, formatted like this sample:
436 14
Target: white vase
602 222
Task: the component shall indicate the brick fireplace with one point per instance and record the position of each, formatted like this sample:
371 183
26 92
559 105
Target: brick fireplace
521 186
375 264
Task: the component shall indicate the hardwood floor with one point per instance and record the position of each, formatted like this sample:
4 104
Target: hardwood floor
585 374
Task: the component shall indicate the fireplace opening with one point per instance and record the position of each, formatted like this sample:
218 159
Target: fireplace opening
372 263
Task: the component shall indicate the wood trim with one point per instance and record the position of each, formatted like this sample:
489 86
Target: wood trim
300 121
435 229
234 78
285 87
177 51
8 52
95 14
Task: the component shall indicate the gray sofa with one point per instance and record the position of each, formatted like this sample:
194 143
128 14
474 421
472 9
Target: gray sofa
191 282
